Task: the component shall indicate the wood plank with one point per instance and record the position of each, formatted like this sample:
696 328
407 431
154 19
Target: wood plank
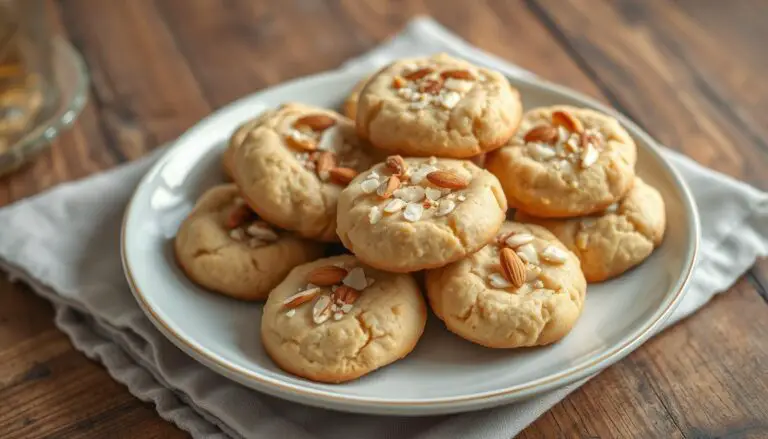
143 88
226 46
48 388
648 79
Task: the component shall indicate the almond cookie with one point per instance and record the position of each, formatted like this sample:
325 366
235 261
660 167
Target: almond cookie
293 163
406 215
350 103
439 106
336 319
565 161
237 138
225 248
615 240
524 289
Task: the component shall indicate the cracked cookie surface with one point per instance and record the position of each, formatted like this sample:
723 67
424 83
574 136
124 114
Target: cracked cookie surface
439 106
565 161
476 300
245 261
381 325
615 240
426 213
293 162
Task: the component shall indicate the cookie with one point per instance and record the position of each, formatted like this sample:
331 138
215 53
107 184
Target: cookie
224 247
525 289
336 319
615 240
439 106
564 162
405 215
294 162
235 140
350 103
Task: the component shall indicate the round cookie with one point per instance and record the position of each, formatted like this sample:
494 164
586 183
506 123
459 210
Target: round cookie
564 162
537 305
615 240
439 106
335 319
223 247
237 138
406 215
293 163
350 103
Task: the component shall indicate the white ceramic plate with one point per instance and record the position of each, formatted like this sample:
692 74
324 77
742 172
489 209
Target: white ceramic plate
444 373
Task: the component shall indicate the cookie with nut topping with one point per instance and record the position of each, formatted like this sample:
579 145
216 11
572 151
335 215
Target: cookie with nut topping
223 246
349 106
337 319
439 106
565 161
616 239
523 289
406 215
293 162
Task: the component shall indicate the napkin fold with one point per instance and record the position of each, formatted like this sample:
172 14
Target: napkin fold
65 244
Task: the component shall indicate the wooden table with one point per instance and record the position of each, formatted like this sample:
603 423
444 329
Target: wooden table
691 72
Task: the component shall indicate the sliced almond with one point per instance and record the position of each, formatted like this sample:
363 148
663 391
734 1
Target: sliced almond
501 238
458 74
321 311
431 86
238 216
447 179
513 267
589 156
301 142
387 188
413 212
541 133
517 239
567 121
356 279
398 82
301 297
346 294
342 176
554 255
498 281
396 164
418 74
315 122
369 185
326 161
327 275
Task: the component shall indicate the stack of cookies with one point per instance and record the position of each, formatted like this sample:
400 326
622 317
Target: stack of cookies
399 183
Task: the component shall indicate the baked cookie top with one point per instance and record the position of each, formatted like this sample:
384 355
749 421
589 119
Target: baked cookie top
565 161
406 215
350 103
615 240
439 106
293 162
223 246
336 319
524 289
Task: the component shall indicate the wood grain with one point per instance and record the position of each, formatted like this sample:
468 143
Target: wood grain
689 71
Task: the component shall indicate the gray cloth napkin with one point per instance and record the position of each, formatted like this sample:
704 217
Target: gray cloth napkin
65 245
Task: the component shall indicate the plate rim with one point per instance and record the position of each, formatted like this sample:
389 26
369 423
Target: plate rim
441 405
